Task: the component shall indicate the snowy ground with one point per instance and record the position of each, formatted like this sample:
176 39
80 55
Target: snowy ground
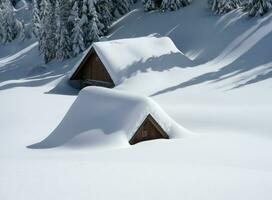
224 98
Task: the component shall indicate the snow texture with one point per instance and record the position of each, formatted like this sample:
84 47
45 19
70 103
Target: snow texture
110 112
121 57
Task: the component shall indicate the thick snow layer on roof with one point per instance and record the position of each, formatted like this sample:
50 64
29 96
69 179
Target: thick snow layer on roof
125 57
109 111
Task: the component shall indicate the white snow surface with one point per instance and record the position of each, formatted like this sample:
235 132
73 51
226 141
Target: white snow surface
125 57
99 110
224 98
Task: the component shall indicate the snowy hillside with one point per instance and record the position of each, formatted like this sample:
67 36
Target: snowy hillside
224 97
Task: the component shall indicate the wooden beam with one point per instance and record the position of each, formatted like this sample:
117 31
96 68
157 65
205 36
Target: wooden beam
89 82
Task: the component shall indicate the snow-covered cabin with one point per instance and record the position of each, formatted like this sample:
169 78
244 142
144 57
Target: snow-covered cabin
118 115
108 63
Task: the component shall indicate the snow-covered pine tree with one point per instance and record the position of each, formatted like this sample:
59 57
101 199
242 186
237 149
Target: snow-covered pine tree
10 26
165 4
149 5
223 6
63 41
94 32
58 21
77 33
104 15
64 44
122 6
73 13
58 30
65 11
23 32
47 40
1 25
85 20
42 32
43 9
35 18
95 16
257 7
174 4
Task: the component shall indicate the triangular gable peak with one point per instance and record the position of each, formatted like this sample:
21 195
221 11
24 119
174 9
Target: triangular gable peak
120 59
149 130
91 71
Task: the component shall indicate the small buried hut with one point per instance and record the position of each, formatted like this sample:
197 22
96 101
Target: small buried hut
149 130
115 116
108 63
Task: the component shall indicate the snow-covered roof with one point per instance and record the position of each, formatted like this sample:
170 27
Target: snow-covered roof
123 57
110 111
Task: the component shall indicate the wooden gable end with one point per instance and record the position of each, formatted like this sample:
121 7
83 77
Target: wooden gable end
149 130
92 71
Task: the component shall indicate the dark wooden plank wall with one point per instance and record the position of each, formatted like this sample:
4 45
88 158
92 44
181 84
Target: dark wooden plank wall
149 130
93 69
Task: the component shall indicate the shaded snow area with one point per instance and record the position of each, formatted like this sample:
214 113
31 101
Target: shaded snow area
223 97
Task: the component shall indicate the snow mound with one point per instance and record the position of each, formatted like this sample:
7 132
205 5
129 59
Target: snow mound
123 57
107 111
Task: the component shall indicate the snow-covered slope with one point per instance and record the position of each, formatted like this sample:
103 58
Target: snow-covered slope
224 97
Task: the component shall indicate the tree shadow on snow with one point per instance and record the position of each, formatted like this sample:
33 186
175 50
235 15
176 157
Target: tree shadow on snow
241 59
25 68
158 64
232 49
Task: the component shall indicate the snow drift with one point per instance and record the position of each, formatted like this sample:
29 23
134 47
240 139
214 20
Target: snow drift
110 112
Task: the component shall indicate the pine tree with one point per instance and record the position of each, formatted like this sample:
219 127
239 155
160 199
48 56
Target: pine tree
1 25
95 16
47 40
77 33
174 4
165 4
10 26
42 30
223 6
64 44
149 5
257 7
85 20
36 19
105 17
94 33
73 14
65 27
122 6
23 32
65 9
43 12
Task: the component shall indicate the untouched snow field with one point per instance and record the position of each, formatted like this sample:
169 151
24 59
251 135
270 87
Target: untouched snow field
224 98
